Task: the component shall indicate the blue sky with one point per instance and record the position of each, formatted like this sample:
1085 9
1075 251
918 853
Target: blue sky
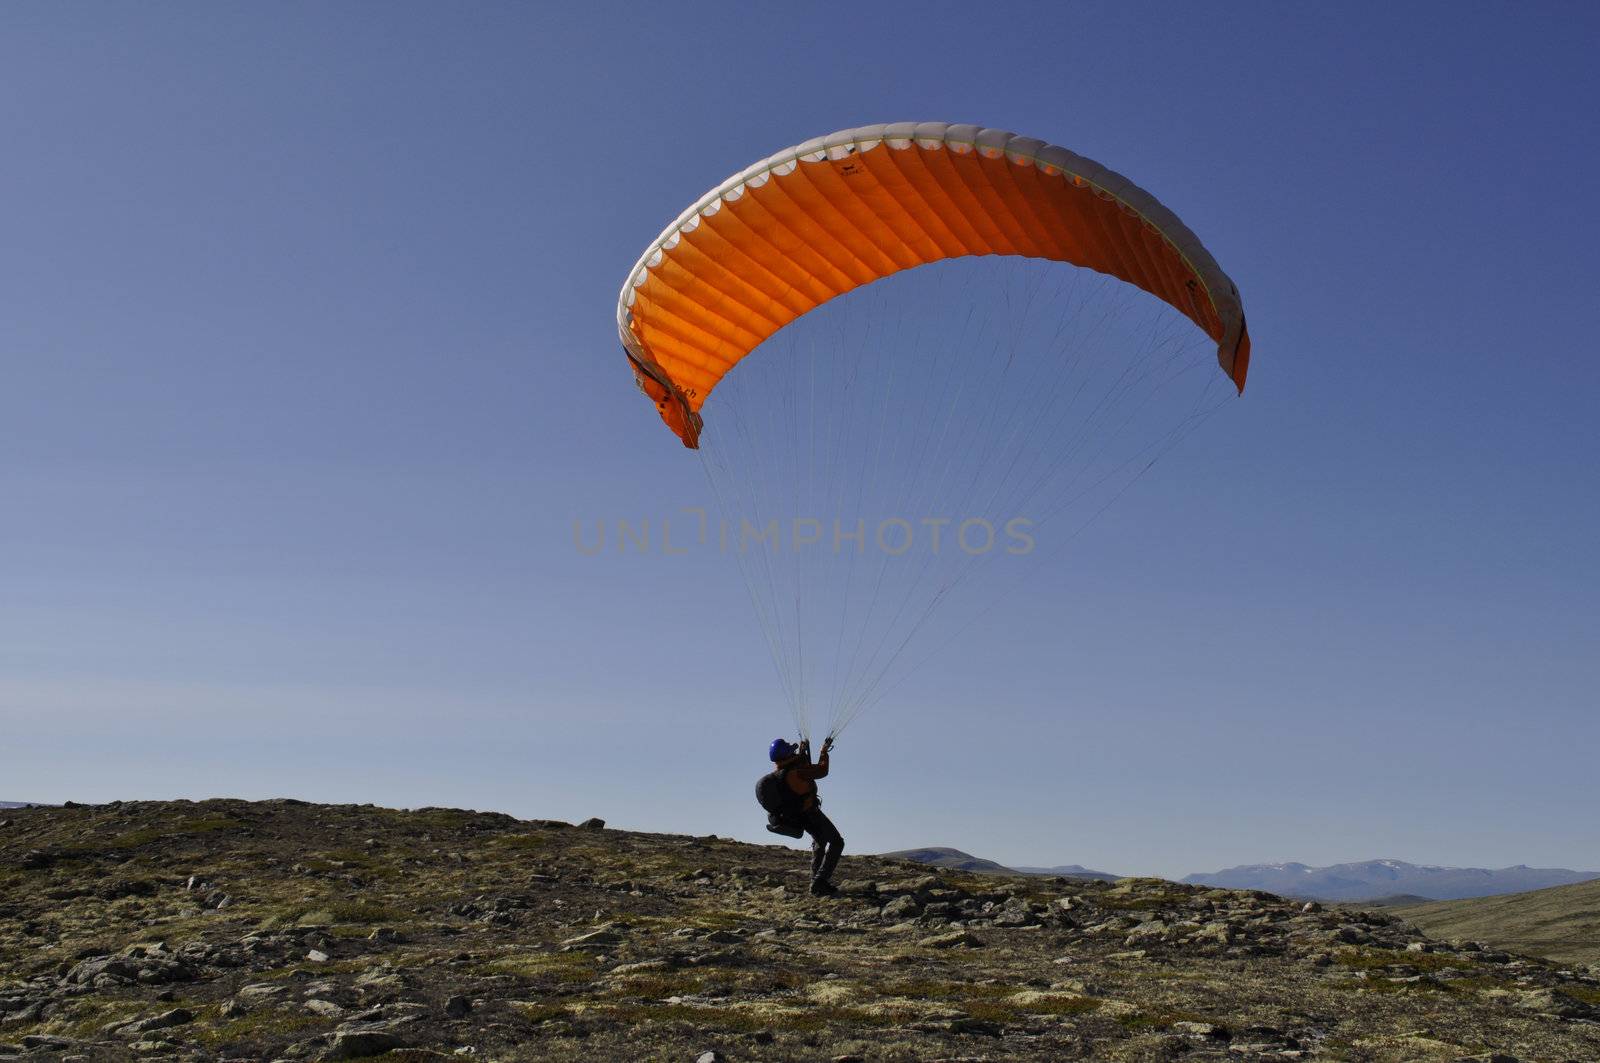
310 364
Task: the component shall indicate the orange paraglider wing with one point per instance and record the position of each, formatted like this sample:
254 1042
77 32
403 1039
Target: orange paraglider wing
817 220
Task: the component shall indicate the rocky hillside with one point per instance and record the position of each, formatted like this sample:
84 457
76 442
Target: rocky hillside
255 931
1562 923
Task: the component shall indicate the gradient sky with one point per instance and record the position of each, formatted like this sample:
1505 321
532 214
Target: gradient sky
309 364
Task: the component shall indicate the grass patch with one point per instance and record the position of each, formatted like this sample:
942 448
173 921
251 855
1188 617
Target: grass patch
258 1024
540 1012
993 1002
658 985
558 966
446 818
1008 1011
765 979
1367 958
362 912
1128 902
1158 1020
1587 994
1389 987
334 912
195 825
85 1020
520 843
700 919
1480 984
812 1019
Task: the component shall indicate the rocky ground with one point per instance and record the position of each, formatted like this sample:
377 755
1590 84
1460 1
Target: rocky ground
278 929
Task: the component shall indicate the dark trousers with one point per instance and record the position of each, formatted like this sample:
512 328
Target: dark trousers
826 844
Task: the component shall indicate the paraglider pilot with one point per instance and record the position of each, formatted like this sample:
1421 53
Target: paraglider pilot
789 794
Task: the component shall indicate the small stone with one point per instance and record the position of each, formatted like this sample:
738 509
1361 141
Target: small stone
593 940
362 1040
317 956
166 1020
1218 932
964 938
902 907
47 1042
457 1007
711 1057
592 823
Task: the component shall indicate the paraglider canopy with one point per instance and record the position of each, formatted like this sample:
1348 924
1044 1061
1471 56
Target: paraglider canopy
824 217
890 446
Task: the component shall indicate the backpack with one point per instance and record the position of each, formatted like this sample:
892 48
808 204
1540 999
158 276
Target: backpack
781 803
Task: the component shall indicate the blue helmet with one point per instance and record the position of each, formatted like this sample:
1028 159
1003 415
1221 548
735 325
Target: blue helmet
781 749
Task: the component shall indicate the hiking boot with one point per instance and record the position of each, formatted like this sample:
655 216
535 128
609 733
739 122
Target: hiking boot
823 888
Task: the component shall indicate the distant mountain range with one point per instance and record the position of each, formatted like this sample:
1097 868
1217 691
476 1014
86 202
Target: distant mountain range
1389 882
1372 879
939 856
17 804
